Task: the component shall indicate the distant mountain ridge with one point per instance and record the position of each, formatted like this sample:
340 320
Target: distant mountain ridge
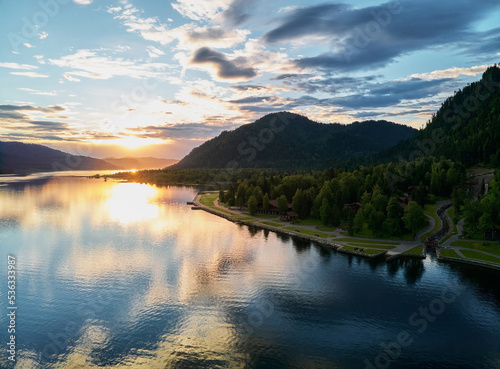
141 162
17 157
291 141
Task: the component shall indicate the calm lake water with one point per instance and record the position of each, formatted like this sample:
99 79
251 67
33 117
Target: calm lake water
123 275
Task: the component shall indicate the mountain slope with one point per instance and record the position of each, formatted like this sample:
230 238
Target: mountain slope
466 128
292 141
17 157
141 162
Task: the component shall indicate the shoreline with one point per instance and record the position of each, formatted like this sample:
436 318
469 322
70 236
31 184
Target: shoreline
197 205
465 261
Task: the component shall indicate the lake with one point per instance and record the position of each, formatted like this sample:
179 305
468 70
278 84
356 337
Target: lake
126 275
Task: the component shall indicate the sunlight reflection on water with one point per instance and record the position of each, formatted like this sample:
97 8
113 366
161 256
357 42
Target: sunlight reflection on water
126 275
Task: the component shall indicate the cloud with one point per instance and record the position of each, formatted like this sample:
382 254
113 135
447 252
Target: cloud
83 2
224 68
452 72
16 121
200 9
190 37
238 12
36 92
70 78
154 52
48 126
30 74
247 87
316 84
375 36
86 63
43 35
18 66
181 130
48 109
410 96
150 29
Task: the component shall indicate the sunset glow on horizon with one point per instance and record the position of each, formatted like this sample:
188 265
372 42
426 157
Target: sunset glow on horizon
157 79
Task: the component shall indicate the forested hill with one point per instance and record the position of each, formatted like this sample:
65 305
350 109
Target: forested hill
17 157
291 141
465 129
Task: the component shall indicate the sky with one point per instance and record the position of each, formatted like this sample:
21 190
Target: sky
158 78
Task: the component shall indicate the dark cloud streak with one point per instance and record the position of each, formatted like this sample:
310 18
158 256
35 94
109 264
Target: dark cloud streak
226 69
375 36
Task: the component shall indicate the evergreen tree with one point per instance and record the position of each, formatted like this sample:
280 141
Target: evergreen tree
265 202
299 204
282 203
325 211
414 217
252 205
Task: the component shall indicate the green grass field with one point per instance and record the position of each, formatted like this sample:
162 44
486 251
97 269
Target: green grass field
325 228
274 224
309 232
492 248
414 251
382 247
366 233
309 221
261 216
377 242
208 200
450 253
480 256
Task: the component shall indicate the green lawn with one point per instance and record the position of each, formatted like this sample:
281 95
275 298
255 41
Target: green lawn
430 211
365 251
377 242
208 200
366 233
383 247
274 224
309 221
450 253
492 248
262 216
479 256
326 228
309 232
414 251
